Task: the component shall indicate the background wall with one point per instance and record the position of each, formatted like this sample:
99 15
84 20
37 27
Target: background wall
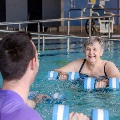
2 11
80 4
16 10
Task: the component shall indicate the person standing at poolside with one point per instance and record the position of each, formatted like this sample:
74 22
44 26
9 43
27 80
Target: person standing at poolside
19 65
93 65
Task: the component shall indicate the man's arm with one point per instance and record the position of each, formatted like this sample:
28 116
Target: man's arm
38 98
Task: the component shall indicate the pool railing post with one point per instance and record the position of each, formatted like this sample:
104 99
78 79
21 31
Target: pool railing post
26 28
90 26
19 27
68 43
109 28
90 20
68 24
81 20
38 38
43 40
7 28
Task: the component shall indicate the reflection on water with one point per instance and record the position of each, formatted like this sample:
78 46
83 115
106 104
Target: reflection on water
56 55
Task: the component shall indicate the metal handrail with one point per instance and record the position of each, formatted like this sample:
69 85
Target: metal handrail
54 20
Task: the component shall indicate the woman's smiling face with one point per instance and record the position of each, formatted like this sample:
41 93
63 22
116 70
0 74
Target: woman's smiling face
93 52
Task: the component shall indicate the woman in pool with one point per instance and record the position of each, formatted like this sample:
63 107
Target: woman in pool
93 65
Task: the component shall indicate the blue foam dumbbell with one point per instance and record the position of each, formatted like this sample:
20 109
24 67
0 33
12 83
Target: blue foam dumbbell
100 114
61 112
57 95
72 76
114 83
52 75
32 94
89 83
55 98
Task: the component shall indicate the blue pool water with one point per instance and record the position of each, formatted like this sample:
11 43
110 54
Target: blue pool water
56 55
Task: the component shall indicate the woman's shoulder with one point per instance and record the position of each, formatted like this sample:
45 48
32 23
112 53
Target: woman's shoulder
111 69
108 62
80 60
77 62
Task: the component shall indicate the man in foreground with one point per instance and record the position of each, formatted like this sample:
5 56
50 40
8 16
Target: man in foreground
19 65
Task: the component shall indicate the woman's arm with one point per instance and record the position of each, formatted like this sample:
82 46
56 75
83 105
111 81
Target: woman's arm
111 72
70 67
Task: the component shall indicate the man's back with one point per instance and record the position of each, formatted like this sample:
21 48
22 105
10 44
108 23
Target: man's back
12 107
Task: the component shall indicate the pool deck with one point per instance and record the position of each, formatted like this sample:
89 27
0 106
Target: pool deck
75 31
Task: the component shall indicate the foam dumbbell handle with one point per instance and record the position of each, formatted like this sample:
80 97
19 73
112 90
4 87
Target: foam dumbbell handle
52 75
60 112
72 76
100 114
57 96
89 83
114 83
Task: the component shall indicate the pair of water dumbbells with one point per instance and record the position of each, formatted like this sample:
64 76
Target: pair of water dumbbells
89 82
61 112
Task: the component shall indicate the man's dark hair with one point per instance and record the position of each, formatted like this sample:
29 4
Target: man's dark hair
16 51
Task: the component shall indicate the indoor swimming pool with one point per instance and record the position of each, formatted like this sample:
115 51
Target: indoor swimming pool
56 55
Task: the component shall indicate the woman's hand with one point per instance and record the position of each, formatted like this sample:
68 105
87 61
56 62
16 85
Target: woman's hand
63 76
101 84
78 116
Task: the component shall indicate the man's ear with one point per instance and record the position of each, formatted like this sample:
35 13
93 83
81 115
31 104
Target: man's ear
32 63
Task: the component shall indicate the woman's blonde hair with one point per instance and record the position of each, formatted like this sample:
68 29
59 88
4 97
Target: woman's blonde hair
93 39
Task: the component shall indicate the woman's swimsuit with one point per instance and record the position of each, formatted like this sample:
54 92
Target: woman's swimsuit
85 75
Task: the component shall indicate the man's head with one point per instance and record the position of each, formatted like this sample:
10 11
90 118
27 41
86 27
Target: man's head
16 51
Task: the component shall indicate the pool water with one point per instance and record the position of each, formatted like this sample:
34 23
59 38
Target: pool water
56 55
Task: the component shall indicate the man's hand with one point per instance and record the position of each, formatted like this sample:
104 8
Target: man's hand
38 98
63 76
78 116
